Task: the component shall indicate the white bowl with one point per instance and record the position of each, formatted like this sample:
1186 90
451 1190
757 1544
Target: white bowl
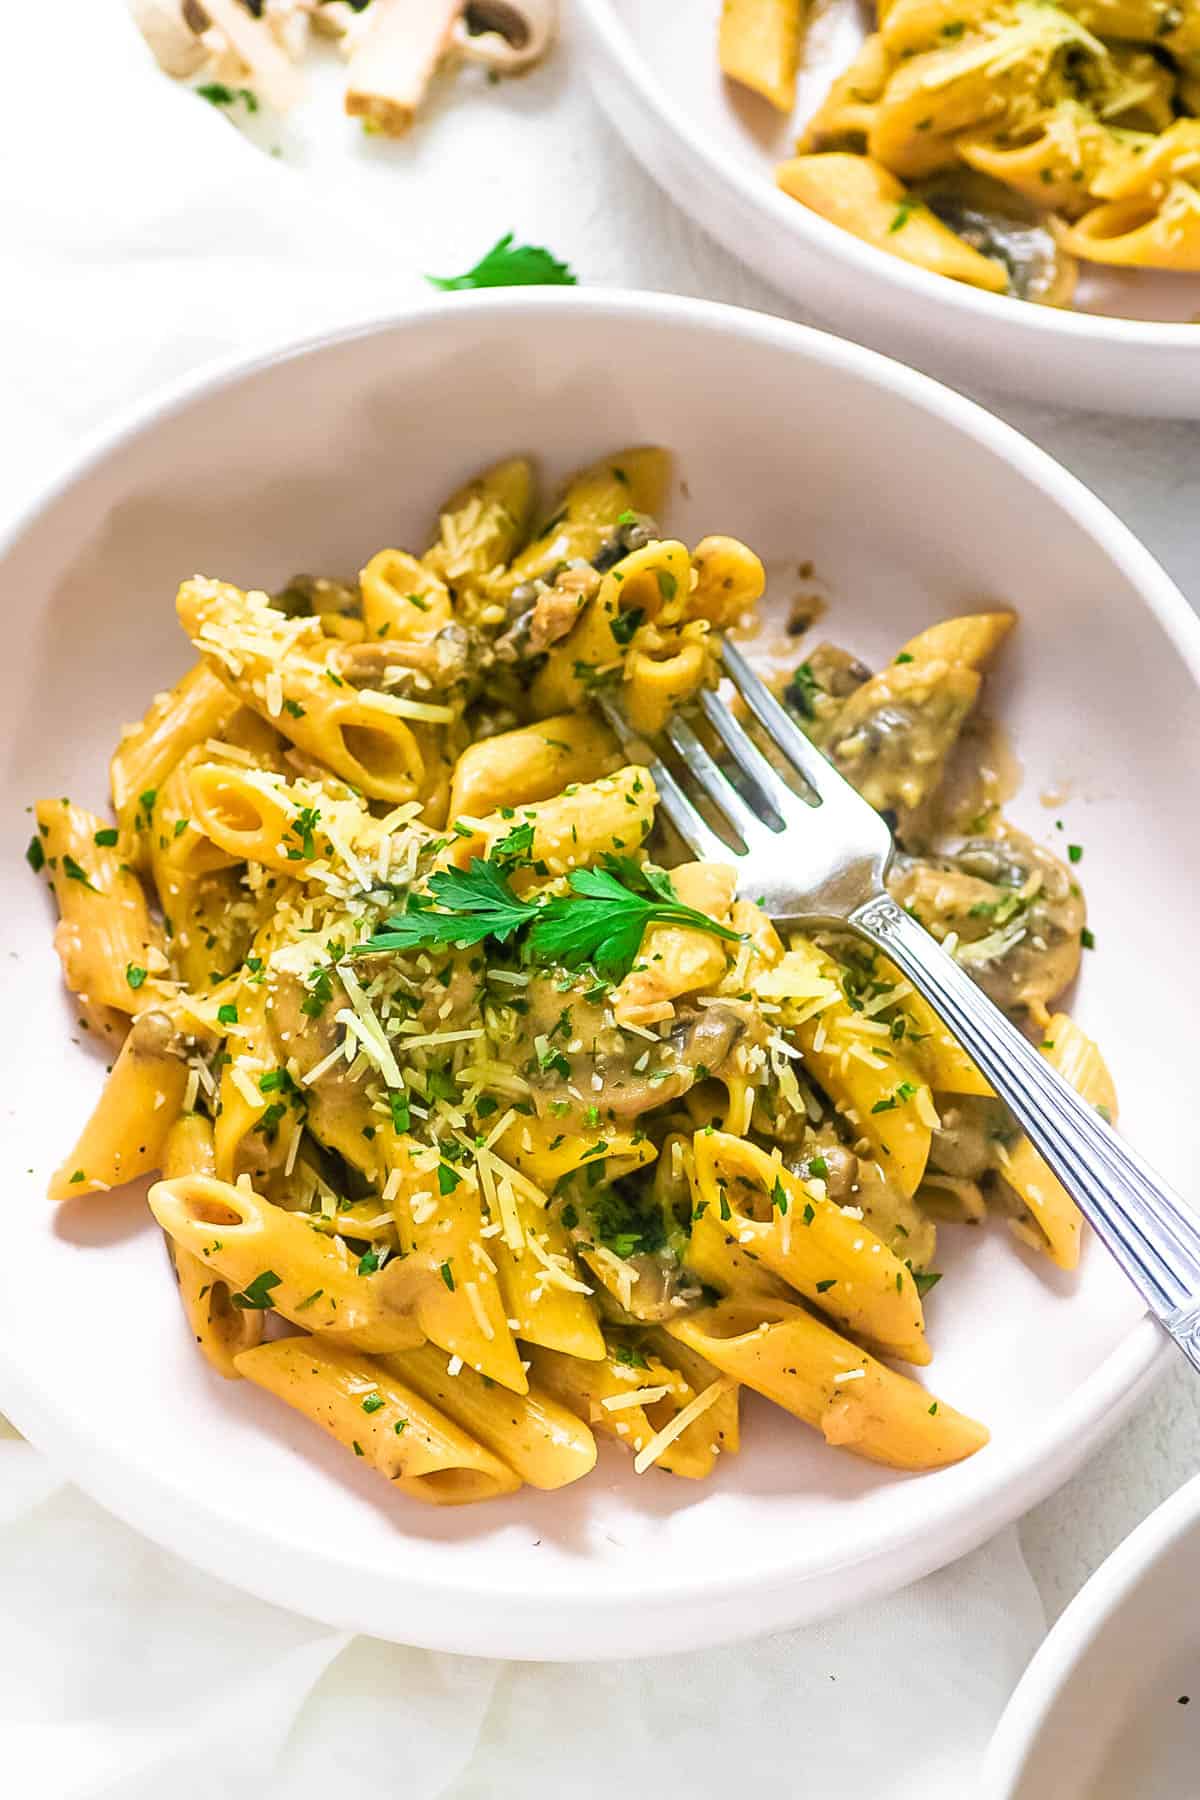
910 503
714 149
1107 1709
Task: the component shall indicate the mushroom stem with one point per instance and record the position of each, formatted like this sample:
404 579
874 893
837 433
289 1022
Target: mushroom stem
507 35
394 58
269 71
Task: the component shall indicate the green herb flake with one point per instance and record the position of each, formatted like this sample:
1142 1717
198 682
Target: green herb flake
135 975
508 264
105 838
73 872
256 1296
35 856
227 1014
447 1274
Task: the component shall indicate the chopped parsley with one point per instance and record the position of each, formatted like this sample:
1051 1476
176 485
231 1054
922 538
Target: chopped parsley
508 264
105 838
73 872
217 94
600 921
134 974
35 856
227 1014
256 1296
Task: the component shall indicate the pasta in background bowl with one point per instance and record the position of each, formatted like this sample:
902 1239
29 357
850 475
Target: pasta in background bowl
907 173
307 918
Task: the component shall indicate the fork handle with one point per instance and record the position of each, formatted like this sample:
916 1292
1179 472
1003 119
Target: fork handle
1145 1225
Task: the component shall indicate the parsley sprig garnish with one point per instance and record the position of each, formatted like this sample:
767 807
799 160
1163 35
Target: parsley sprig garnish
599 922
510 265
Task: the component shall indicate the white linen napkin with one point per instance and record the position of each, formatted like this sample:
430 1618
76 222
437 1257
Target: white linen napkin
142 235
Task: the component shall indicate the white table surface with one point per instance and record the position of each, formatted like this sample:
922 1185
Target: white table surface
537 157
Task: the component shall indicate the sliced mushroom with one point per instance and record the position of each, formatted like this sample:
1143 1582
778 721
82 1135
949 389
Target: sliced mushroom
1015 910
262 63
431 668
394 54
508 35
999 222
177 48
568 1045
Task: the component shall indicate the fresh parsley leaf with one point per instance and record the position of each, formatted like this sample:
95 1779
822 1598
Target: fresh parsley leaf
35 856
217 94
926 1279
256 1296
368 1262
514 847
800 691
227 1014
73 872
135 974
508 264
624 624
601 921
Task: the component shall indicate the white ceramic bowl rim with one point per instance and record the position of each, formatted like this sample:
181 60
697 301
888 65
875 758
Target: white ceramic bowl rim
1053 1667
1042 323
993 1496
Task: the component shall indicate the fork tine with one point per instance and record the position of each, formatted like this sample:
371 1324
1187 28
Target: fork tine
804 756
780 798
715 782
691 825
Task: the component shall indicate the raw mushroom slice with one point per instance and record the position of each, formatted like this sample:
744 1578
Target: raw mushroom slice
177 48
509 36
393 57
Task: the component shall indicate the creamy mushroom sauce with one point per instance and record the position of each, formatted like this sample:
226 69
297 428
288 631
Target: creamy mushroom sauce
1013 913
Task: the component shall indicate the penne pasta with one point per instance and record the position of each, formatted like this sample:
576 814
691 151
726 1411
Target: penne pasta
368 1409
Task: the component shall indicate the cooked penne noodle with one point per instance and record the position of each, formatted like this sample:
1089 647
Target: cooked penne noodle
139 1103
829 1257
854 1401
540 1440
105 934
221 1329
369 1410
275 1259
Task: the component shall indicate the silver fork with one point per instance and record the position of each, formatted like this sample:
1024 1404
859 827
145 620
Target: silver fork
833 873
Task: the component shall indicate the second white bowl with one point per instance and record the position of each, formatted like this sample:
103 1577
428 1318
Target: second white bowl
714 148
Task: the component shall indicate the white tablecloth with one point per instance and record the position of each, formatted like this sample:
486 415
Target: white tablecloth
140 233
